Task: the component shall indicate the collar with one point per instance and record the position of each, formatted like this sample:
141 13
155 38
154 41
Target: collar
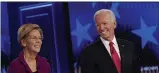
107 42
22 60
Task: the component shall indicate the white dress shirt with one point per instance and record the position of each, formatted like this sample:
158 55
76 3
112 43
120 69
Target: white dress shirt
115 45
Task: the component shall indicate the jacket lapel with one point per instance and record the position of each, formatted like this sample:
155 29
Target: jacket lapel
107 55
21 57
121 48
101 46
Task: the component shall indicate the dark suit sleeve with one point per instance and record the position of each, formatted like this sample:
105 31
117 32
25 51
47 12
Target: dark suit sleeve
136 61
86 62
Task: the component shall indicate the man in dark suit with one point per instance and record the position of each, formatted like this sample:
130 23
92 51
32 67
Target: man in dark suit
108 54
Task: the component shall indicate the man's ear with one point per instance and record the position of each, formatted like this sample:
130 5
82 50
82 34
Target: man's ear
114 24
23 42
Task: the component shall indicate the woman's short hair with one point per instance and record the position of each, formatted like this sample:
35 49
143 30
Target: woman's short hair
24 30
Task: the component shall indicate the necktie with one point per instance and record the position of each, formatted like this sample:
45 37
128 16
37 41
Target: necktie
115 57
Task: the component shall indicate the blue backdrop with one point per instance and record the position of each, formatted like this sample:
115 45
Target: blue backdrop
69 27
136 22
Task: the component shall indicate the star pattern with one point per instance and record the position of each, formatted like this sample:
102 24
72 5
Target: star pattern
114 9
146 33
93 4
81 32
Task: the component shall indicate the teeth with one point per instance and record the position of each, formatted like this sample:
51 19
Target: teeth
37 46
104 32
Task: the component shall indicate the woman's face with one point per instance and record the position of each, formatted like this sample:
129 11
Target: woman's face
33 41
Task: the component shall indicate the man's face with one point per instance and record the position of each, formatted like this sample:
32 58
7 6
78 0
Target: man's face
105 25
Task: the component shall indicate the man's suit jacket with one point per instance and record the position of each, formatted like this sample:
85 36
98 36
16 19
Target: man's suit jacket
96 59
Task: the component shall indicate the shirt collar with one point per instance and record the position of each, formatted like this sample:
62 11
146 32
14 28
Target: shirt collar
107 42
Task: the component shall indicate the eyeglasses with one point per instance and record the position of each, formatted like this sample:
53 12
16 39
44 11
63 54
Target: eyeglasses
35 38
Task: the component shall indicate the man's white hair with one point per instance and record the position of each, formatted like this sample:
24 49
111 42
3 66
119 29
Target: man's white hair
106 10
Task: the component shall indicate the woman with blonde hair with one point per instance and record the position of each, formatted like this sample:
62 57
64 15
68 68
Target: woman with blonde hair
30 38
